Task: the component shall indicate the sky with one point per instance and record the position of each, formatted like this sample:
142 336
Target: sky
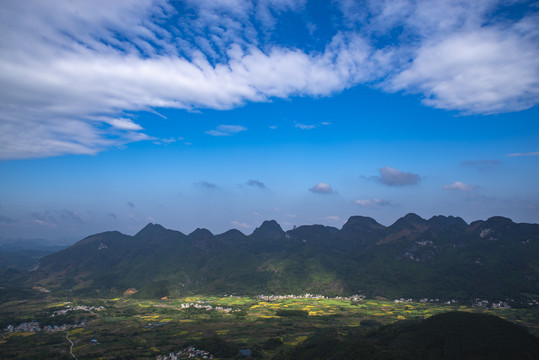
222 114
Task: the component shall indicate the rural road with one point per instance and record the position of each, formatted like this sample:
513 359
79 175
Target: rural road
71 347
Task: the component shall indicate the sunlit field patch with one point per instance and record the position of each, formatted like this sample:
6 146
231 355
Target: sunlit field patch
18 333
296 341
57 305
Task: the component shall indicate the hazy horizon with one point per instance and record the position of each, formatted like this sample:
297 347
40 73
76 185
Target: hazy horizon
223 114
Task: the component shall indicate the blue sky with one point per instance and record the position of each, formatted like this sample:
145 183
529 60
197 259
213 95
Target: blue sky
222 114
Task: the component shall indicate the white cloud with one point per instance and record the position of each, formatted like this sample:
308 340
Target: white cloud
241 225
464 57
116 57
536 153
424 18
120 123
321 188
395 177
460 186
486 70
44 223
372 202
232 129
69 67
310 126
304 126
226 130
217 133
167 141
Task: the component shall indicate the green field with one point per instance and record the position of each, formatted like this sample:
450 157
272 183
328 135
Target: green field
134 328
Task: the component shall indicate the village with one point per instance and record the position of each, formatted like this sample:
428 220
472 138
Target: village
68 309
287 320
189 352
206 307
309 296
494 305
33 326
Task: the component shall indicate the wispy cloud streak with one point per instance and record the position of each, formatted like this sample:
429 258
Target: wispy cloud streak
226 130
536 153
372 202
460 186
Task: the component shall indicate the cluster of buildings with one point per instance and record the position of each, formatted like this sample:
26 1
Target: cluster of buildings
33 326
205 307
64 327
77 308
188 353
350 298
309 296
477 302
402 300
495 305
425 300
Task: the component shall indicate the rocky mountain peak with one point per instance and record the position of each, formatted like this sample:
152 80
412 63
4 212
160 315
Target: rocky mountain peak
361 223
150 229
440 220
269 230
409 221
200 234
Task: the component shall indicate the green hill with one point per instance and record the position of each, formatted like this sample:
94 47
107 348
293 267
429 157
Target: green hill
442 257
447 336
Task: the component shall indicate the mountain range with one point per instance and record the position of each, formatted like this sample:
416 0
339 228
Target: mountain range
442 257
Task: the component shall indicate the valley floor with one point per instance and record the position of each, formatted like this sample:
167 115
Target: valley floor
265 326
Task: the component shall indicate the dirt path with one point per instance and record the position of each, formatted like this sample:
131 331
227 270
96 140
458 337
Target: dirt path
71 347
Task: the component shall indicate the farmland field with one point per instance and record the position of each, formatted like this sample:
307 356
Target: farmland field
127 327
